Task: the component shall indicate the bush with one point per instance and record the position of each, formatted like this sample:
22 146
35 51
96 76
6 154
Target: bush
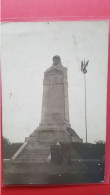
9 148
83 150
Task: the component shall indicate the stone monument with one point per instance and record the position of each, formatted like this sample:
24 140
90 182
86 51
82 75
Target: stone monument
55 125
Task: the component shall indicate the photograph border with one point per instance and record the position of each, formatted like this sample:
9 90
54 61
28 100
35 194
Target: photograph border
72 18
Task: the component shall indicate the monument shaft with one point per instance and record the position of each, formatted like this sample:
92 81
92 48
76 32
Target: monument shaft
55 108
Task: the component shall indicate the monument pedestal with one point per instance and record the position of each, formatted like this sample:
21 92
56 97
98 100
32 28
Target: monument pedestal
51 135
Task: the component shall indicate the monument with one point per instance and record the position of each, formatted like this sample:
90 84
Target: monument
54 127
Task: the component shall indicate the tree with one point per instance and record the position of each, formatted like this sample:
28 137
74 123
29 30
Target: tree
100 142
6 141
6 147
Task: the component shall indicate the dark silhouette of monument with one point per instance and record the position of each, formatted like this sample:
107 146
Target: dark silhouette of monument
55 125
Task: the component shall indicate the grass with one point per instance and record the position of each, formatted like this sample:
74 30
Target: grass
78 171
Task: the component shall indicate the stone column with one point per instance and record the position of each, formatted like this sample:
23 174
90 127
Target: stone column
55 107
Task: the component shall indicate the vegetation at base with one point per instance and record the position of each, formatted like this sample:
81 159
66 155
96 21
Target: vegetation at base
9 148
66 152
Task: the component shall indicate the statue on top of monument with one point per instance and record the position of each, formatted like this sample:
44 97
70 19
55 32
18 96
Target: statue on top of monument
56 60
56 69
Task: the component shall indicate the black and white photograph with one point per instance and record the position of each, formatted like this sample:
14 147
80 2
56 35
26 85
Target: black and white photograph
54 102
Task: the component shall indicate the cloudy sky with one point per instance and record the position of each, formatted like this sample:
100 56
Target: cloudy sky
27 51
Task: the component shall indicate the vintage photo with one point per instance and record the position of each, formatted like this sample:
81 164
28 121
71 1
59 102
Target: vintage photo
54 96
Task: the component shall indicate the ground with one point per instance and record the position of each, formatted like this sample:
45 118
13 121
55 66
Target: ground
78 171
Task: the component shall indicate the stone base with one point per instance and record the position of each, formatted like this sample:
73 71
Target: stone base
37 146
50 135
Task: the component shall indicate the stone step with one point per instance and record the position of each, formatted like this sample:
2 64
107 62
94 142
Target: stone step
36 152
32 160
37 159
33 156
36 155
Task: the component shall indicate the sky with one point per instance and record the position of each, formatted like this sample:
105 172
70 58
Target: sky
26 52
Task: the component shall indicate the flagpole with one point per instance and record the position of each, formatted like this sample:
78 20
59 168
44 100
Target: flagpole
84 71
85 107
